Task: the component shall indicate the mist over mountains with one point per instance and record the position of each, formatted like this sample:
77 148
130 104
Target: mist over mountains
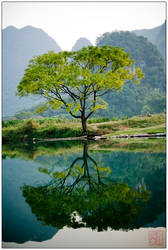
80 43
20 45
157 36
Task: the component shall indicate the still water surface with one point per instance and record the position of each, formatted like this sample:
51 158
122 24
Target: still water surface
75 194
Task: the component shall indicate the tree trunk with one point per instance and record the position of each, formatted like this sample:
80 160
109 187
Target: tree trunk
85 152
84 127
86 167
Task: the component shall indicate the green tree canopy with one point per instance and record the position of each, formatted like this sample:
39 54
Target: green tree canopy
76 81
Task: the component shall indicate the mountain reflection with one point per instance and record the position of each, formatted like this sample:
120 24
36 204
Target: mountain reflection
84 194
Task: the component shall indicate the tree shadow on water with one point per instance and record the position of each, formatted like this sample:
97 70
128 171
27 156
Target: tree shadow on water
83 195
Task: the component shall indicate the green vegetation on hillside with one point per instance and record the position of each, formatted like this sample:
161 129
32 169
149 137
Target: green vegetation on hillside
143 52
149 96
156 36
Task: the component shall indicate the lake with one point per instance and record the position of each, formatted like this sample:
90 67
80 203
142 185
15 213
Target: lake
84 194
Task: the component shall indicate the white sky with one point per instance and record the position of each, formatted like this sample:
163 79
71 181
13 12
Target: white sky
68 21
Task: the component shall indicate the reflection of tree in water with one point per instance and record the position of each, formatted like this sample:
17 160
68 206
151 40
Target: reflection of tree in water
83 196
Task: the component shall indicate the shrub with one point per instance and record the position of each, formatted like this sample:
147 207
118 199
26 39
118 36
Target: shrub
11 123
99 120
114 119
124 117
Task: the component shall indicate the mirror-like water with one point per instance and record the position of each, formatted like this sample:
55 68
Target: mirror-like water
87 187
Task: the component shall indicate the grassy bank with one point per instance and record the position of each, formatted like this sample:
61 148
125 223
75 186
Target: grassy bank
26 130
152 124
22 131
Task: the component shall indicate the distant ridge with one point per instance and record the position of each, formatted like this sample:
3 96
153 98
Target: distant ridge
80 43
18 47
157 36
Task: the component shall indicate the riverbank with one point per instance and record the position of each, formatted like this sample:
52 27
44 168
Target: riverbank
50 128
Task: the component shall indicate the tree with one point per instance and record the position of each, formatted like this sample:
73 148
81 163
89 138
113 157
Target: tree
83 195
76 81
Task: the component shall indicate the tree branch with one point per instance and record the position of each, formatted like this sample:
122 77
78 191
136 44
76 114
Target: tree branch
66 105
107 91
69 92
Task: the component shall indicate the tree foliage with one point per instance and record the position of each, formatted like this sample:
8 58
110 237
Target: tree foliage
76 81
133 99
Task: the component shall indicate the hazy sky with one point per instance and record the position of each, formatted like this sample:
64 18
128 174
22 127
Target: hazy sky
68 21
